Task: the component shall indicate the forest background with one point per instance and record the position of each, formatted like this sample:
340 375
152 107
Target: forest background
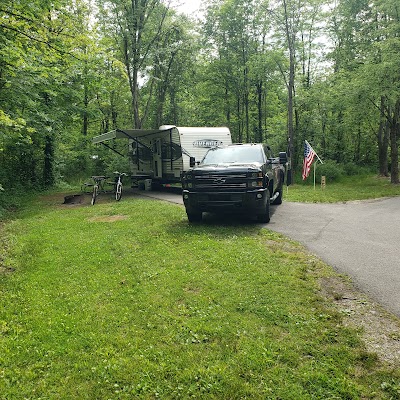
276 71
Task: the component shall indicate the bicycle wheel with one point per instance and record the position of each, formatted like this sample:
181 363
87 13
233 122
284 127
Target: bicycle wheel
94 194
118 191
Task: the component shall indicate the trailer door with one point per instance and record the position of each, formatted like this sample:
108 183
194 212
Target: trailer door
157 158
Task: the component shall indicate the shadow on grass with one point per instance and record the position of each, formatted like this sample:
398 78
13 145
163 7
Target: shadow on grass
219 225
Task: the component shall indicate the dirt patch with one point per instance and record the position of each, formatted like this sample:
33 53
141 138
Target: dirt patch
73 199
65 199
52 199
4 268
379 329
108 218
286 246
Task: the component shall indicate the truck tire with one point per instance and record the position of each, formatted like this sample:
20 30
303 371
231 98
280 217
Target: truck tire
278 200
194 216
265 216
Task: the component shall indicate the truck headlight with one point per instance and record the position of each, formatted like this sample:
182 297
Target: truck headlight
255 184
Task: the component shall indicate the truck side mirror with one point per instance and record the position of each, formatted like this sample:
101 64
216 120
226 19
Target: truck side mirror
283 157
192 162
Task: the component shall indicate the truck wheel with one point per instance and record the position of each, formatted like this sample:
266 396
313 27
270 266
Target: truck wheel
278 200
194 216
265 217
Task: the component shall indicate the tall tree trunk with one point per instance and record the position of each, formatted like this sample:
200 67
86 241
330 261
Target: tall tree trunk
383 141
290 37
394 146
48 170
85 124
259 87
240 124
227 105
136 52
246 104
162 88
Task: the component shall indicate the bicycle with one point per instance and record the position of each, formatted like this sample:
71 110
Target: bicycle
101 185
97 187
118 184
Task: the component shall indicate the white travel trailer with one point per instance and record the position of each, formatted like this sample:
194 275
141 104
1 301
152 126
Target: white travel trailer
163 154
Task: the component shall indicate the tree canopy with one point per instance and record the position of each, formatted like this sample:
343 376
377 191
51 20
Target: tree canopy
275 71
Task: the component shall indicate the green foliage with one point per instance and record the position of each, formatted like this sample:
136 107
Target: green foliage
67 75
14 200
104 304
331 170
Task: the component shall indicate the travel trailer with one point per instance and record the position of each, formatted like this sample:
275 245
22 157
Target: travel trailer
163 154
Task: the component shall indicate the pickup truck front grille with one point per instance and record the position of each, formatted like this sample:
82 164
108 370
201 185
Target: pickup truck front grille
236 181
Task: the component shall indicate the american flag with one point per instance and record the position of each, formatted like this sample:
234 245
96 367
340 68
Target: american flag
309 155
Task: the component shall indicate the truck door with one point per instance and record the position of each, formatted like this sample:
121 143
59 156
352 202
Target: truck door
157 158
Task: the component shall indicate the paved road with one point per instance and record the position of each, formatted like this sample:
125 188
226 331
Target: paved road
360 239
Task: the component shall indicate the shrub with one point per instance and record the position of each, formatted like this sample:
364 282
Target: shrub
331 170
351 169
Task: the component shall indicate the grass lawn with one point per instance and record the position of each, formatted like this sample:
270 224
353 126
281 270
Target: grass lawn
127 300
347 189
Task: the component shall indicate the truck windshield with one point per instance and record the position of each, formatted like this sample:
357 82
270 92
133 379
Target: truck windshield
234 154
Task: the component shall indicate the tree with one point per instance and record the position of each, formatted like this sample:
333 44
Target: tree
241 71
137 28
34 40
297 32
367 44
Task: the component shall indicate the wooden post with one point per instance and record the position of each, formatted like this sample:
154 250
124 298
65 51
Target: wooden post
323 182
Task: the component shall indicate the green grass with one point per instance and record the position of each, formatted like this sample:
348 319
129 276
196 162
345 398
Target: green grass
349 188
127 300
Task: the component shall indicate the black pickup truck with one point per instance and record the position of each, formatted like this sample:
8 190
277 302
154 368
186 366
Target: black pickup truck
241 178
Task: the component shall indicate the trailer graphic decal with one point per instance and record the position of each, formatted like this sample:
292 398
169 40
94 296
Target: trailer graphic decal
207 143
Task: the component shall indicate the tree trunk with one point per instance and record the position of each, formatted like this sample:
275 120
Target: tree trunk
174 113
136 51
240 122
85 122
246 104
290 37
383 141
259 86
162 89
227 105
394 147
48 172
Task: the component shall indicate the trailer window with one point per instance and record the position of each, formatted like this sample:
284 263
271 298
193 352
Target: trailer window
144 153
171 151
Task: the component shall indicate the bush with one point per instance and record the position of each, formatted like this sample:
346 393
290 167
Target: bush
331 170
351 169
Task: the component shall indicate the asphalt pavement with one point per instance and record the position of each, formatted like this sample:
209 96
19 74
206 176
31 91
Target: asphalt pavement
360 239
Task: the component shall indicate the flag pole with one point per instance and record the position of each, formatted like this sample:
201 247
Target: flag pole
315 172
